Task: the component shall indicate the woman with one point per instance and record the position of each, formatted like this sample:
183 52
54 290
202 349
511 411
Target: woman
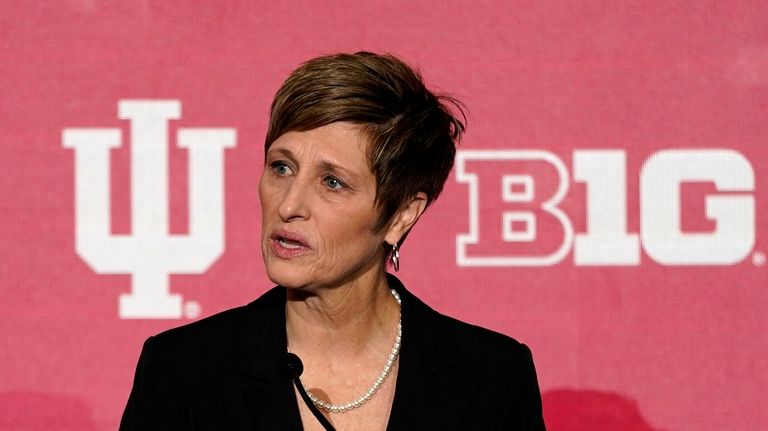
357 148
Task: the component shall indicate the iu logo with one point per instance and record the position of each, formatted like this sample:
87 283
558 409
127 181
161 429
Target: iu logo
150 254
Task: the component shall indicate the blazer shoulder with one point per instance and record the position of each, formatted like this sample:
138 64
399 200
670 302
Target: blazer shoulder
220 322
218 332
487 348
508 373
502 369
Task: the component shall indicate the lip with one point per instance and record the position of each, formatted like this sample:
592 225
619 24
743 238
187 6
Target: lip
286 244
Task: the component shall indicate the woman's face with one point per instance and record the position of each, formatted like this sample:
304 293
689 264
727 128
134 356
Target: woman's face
317 201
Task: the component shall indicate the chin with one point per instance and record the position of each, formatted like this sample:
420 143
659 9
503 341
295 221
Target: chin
281 274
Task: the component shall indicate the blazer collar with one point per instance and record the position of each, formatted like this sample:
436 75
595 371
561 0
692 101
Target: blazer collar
255 384
260 344
433 380
426 348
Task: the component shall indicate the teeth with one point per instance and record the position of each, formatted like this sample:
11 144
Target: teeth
289 244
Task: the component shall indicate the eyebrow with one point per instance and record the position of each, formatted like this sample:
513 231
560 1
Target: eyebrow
326 165
333 167
282 151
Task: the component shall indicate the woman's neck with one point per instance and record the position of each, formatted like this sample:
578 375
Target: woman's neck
341 320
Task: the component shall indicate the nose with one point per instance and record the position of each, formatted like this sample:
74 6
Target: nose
293 205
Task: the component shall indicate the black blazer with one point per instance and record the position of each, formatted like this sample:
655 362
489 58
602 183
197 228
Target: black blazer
228 372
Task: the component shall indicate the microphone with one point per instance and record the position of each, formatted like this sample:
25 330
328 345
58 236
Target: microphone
295 368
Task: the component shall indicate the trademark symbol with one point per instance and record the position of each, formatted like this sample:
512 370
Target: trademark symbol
758 258
192 309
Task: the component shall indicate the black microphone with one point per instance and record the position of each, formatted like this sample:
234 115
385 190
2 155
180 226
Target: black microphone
295 368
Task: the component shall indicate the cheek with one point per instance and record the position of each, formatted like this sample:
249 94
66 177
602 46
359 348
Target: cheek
347 233
261 191
268 196
267 202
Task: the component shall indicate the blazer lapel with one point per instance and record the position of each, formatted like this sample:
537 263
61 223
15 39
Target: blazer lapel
434 385
255 385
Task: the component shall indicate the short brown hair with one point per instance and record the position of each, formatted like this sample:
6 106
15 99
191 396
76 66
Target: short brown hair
413 132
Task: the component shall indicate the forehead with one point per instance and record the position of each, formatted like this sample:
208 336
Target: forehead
341 143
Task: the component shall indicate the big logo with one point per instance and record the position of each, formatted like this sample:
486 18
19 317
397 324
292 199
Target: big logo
150 254
515 215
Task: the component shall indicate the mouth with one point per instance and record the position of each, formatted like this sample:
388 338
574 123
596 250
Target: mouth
288 244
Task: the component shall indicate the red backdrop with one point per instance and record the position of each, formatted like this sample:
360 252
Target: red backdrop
608 207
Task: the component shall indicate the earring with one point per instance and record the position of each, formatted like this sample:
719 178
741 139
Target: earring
394 257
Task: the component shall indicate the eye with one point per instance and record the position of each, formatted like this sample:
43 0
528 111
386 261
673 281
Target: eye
333 183
280 168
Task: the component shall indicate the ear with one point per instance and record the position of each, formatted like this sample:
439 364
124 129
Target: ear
405 218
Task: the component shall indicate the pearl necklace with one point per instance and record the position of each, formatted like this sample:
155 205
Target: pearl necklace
341 408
